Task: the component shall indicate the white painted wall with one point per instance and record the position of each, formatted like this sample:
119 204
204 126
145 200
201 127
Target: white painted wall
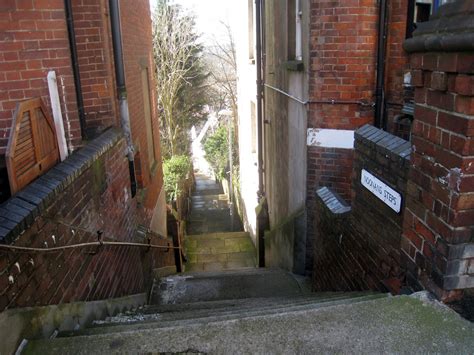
246 89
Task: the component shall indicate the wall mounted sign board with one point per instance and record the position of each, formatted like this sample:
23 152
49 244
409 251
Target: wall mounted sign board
381 190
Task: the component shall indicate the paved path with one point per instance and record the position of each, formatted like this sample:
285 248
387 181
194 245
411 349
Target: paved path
216 240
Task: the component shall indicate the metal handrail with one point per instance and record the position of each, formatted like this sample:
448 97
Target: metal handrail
83 245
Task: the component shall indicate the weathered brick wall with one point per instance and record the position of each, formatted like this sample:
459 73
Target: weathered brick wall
343 47
33 41
96 65
438 248
343 53
90 191
342 62
138 56
397 65
330 167
362 251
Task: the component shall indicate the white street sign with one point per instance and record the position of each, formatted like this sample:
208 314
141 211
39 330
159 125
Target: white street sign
384 192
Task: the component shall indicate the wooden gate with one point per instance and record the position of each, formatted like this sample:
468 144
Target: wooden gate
32 148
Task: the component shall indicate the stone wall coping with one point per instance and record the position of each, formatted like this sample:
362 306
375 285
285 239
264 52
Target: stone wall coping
20 211
333 201
450 29
384 143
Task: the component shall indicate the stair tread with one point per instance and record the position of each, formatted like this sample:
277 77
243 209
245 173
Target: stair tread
386 325
157 320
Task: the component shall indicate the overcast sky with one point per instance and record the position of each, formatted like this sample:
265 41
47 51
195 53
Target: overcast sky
209 13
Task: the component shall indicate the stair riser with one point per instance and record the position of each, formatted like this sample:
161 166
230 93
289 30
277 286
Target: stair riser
224 317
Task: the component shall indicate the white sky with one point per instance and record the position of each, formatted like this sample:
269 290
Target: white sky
209 14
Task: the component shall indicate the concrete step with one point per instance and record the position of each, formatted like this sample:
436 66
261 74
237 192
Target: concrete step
141 321
218 235
219 251
236 308
203 189
214 214
383 325
247 262
210 286
209 198
209 202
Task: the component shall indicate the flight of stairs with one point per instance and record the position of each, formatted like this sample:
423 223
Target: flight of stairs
216 240
219 251
222 304
194 312
211 211
262 311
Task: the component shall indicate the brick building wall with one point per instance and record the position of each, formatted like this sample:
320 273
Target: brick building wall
342 43
358 247
439 220
89 191
343 54
138 58
33 41
96 65
397 65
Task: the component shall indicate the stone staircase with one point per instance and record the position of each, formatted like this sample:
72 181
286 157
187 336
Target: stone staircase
219 251
215 240
224 305
210 210
266 311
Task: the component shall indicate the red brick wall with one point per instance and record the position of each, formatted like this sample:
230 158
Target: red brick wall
440 205
343 54
33 41
92 29
138 53
360 250
343 67
99 198
438 227
397 63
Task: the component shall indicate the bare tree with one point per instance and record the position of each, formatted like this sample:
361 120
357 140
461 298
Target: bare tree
223 69
178 66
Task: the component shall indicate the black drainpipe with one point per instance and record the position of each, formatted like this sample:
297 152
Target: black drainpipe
75 66
380 121
258 30
262 217
122 89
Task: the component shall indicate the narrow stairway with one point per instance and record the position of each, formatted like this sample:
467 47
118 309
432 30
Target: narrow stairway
216 240
258 311
222 304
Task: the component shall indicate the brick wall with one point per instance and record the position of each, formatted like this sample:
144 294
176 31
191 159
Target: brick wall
361 250
329 167
343 37
396 66
95 56
89 191
33 41
138 56
439 219
343 51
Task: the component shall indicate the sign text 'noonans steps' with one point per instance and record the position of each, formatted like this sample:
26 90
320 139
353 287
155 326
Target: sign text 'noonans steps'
384 192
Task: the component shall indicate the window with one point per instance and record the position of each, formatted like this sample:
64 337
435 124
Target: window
294 30
251 32
420 11
148 117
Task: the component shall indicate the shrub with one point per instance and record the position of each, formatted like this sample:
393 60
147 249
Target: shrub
175 170
216 147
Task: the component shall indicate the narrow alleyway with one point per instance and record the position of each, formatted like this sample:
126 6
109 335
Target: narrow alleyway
215 240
